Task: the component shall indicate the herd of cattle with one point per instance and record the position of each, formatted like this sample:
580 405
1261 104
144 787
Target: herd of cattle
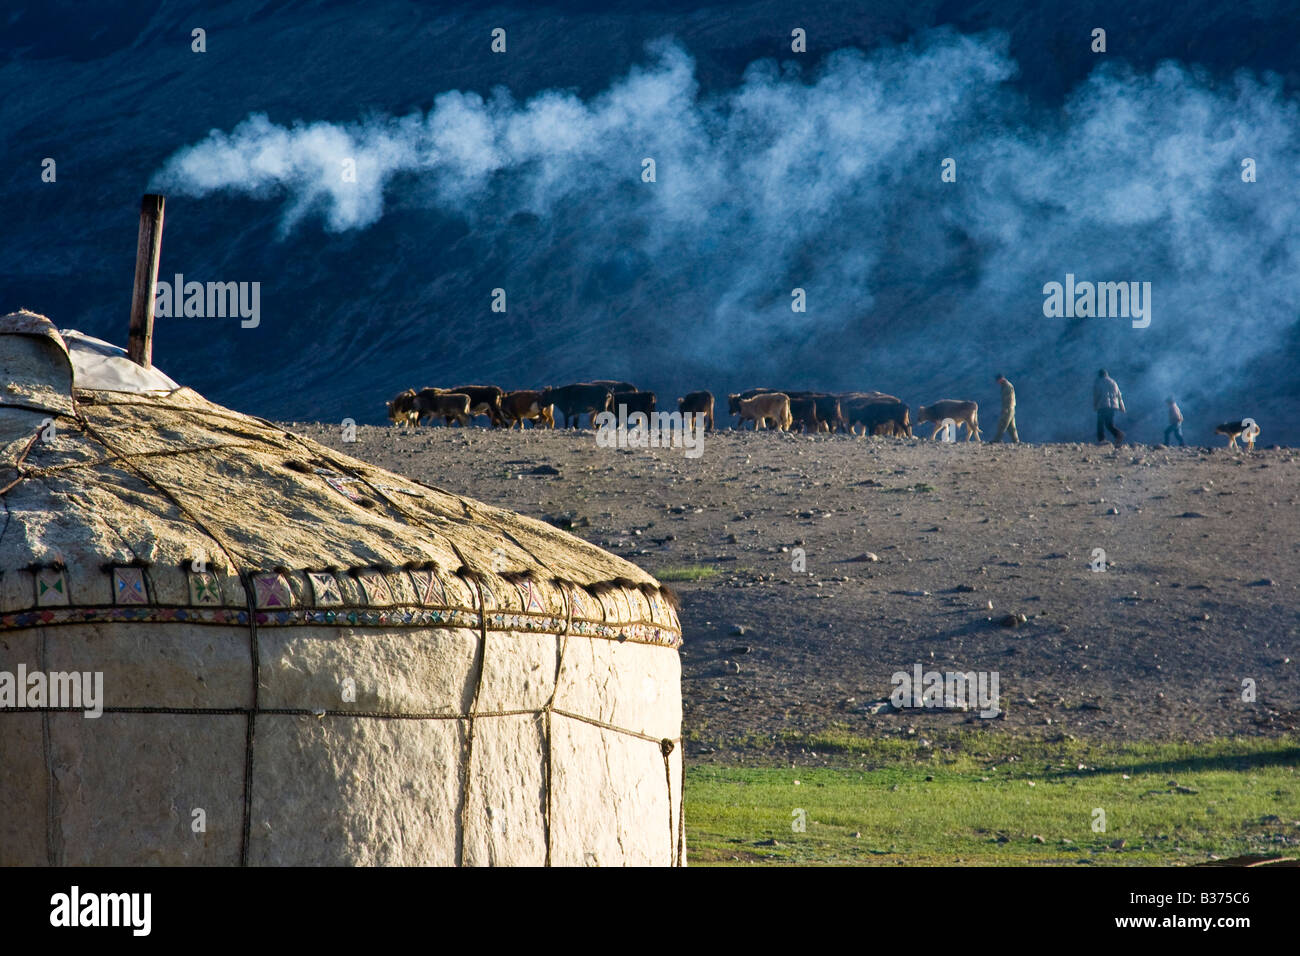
866 413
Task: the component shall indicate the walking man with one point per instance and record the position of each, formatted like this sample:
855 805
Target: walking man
1007 423
1107 400
1175 422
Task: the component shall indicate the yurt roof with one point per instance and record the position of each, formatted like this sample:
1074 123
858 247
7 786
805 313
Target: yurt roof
129 497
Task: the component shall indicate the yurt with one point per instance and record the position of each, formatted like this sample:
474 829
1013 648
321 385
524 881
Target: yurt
222 643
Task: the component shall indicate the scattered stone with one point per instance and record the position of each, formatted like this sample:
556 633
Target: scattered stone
865 556
739 630
1112 511
1037 839
543 470
1190 514
731 667
1263 583
741 649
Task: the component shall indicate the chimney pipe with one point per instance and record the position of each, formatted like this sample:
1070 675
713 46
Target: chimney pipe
139 344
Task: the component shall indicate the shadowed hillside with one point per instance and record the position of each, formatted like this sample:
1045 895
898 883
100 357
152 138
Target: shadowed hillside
774 171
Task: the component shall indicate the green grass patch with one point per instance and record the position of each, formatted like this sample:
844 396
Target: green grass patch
987 799
686 572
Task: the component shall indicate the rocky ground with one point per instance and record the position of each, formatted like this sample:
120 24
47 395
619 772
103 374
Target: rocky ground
958 557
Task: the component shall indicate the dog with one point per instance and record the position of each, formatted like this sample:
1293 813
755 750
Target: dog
1246 430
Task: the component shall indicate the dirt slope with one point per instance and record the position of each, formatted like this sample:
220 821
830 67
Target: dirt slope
1200 590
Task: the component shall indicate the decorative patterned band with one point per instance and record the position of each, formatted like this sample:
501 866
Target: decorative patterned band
638 632
387 598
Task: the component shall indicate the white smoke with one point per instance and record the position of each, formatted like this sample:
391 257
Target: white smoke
831 182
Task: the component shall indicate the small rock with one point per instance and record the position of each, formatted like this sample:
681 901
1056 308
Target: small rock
739 630
865 556
1037 839
1263 583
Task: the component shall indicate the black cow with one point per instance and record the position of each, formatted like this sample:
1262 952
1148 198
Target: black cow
615 386
635 402
697 403
572 401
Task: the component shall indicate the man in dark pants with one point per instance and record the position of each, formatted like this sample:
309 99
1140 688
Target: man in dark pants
1175 422
1107 400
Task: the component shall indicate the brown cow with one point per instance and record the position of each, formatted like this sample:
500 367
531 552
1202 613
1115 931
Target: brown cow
827 407
520 406
483 400
734 400
451 406
760 408
963 413
401 410
697 403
